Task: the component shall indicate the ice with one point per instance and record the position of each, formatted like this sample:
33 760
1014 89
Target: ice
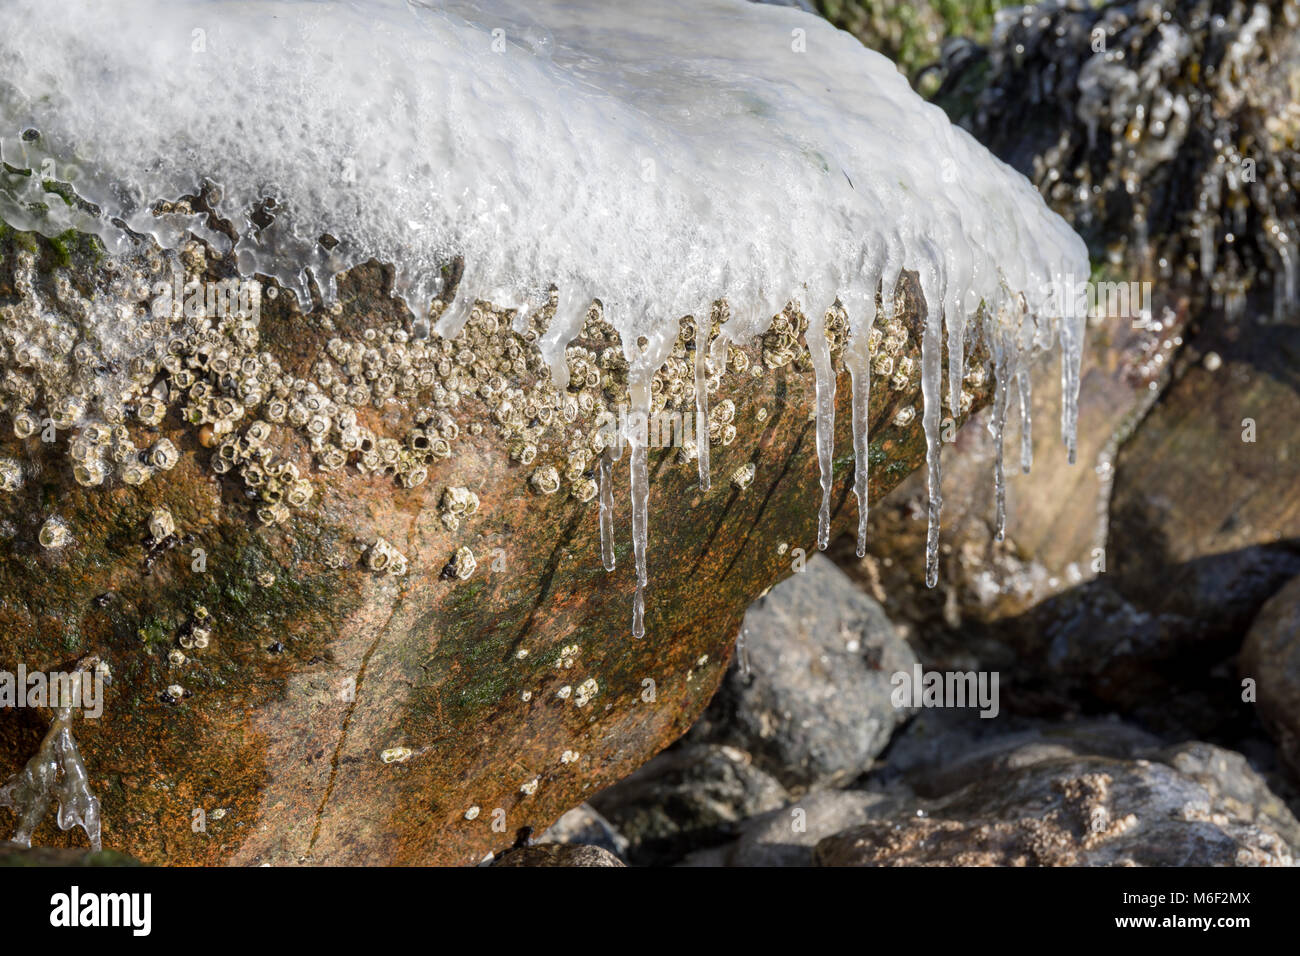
1023 389
655 157
824 376
640 483
702 324
858 360
54 774
606 513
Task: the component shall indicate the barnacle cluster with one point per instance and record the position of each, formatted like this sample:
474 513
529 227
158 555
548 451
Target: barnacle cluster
100 365
383 557
1177 128
455 503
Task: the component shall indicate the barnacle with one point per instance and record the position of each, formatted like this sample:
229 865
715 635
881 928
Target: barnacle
54 533
161 524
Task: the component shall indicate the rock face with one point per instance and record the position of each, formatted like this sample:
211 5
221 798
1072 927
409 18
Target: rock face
384 637
810 700
1271 658
788 836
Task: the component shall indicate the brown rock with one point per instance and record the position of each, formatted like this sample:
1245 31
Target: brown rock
333 713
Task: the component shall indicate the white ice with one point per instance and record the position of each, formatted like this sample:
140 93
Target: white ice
655 156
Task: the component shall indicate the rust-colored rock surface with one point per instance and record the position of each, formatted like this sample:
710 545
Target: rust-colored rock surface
281 692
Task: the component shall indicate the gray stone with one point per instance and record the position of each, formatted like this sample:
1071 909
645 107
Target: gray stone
786 837
814 709
1235 787
1044 805
558 854
944 750
584 826
687 798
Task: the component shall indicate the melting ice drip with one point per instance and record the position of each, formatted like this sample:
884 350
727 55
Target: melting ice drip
55 773
657 156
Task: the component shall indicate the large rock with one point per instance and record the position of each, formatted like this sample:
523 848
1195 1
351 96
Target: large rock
942 751
1235 787
281 692
1035 805
809 693
960 790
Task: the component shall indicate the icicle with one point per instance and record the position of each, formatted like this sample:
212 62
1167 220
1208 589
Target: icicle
1073 325
301 286
606 512
1284 291
1026 427
858 358
888 288
742 651
455 315
327 280
954 315
566 322
640 481
998 426
702 328
718 350
931 370
820 350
